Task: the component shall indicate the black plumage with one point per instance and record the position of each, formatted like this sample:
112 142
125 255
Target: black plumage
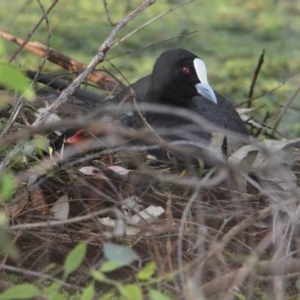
167 85
174 82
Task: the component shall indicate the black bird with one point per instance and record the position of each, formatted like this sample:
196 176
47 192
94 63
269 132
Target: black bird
178 80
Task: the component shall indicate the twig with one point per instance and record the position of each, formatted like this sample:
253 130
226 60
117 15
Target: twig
33 30
42 64
270 91
39 275
60 222
284 109
99 57
102 79
20 101
177 37
12 117
152 45
227 238
181 230
150 22
254 78
235 278
111 23
59 84
264 268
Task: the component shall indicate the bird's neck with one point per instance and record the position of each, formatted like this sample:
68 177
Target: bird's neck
165 97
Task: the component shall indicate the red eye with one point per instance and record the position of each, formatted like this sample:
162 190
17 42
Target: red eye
186 70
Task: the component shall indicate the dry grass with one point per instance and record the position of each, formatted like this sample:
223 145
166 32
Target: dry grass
230 228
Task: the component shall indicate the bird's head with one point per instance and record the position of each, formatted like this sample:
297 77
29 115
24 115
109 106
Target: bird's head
178 75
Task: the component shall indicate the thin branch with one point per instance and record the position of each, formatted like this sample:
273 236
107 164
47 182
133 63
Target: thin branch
235 278
285 108
100 78
270 91
150 22
20 101
39 275
60 222
111 23
33 30
277 267
18 106
262 214
59 85
182 229
254 78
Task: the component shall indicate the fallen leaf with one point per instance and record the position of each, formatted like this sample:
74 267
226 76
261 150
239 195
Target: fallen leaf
60 209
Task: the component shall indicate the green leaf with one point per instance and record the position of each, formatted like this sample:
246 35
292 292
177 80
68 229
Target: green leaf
57 296
13 78
147 271
74 259
41 143
119 253
131 292
21 291
201 167
88 293
109 295
7 186
111 265
98 276
6 243
157 295
239 296
52 290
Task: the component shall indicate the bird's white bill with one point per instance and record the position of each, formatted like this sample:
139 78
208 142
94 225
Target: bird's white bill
203 87
206 91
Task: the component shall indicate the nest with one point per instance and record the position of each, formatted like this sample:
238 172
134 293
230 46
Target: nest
232 225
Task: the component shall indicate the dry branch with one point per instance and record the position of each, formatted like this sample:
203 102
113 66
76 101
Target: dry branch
101 78
285 108
44 17
254 79
263 268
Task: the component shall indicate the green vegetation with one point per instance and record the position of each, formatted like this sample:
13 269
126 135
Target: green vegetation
122 291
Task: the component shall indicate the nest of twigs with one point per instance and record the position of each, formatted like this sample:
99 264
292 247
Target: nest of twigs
232 225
